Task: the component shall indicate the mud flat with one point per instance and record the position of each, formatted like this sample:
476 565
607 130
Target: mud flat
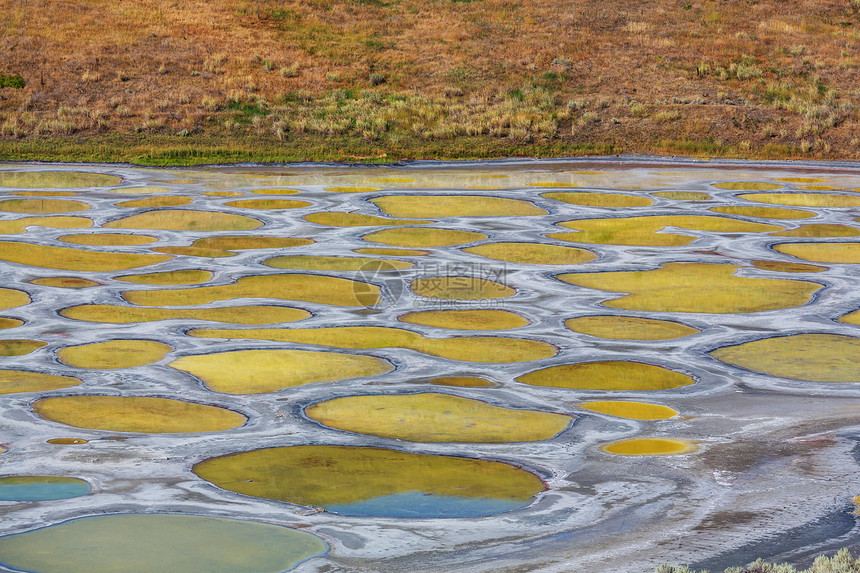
512 366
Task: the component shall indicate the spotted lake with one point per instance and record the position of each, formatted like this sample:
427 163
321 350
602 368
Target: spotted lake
512 366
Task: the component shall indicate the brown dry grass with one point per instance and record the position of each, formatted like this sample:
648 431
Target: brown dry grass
642 76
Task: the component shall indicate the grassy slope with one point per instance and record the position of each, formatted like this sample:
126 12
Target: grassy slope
157 81
841 562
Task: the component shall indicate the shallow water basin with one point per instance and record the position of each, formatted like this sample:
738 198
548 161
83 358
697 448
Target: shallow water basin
466 319
339 219
609 375
600 199
427 206
822 252
763 212
683 195
696 287
650 447
384 252
461 382
107 239
786 267
179 277
230 314
141 190
11 298
431 417
65 282
113 354
41 488
316 263
350 189
68 259
748 186
631 410
185 220
814 357
274 191
214 247
310 288
136 543
45 193
14 381
648 231
423 237
628 328
267 204
489 349
804 199
532 253
15 226
261 371
159 201
374 481
823 230
19 347
36 179
41 206
460 288
137 414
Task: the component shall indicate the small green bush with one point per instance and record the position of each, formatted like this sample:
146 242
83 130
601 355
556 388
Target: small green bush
842 562
14 81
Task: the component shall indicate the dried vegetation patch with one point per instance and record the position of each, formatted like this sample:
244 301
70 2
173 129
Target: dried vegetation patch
408 77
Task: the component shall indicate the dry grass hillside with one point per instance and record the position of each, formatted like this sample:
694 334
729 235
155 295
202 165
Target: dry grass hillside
164 81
